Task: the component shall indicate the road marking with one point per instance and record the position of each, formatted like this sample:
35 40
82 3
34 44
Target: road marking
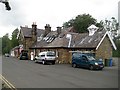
7 83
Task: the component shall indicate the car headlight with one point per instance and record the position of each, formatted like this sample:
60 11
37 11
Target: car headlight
96 63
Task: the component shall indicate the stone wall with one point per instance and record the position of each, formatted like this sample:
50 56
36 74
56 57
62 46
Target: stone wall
105 49
63 56
28 43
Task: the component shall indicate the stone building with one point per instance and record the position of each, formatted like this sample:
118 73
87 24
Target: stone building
95 42
29 37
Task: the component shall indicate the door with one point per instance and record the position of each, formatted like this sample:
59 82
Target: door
40 58
84 61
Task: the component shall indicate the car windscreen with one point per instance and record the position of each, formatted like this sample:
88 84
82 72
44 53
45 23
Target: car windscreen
51 54
24 54
90 58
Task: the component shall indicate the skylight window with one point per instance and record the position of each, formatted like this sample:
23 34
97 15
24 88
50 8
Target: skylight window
46 38
50 39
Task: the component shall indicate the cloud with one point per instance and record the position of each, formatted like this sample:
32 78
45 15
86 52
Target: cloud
53 12
14 17
10 20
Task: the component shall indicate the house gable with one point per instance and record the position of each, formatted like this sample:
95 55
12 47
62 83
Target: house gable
104 51
20 37
112 42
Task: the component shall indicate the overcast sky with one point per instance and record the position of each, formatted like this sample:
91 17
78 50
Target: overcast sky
53 12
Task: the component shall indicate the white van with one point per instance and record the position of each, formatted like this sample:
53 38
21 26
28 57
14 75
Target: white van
46 57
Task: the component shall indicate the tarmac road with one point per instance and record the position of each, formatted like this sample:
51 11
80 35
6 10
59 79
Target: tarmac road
27 74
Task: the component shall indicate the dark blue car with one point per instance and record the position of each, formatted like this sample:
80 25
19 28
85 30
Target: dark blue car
86 61
24 56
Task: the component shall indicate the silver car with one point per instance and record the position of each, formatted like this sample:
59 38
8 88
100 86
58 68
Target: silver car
46 57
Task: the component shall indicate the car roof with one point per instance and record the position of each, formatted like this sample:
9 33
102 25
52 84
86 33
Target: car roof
81 54
45 52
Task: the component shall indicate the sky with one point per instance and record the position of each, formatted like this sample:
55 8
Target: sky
53 12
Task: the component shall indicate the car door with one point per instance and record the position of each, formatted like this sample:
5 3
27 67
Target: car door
39 58
79 61
84 61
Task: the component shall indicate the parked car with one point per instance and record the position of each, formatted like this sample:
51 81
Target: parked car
86 61
46 57
24 55
7 55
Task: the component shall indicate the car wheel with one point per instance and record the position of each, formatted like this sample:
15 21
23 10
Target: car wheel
91 67
35 61
43 62
53 62
74 65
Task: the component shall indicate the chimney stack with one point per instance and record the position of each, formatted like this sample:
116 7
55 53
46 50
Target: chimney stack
47 29
34 28
59 30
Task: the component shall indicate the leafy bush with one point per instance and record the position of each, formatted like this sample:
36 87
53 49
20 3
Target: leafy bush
116 53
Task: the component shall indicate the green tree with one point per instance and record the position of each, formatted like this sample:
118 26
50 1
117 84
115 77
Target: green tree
6 44
69 23
116 53
100 25
14 40
111 26
81 23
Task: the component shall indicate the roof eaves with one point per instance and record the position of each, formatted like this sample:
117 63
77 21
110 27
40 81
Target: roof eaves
107 33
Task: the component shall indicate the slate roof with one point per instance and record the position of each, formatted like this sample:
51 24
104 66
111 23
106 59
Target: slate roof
62 41
40 44
46 42
27 31
79 40
86 41
52 33
82 40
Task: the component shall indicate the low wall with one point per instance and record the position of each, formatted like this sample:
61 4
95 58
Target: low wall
115 61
